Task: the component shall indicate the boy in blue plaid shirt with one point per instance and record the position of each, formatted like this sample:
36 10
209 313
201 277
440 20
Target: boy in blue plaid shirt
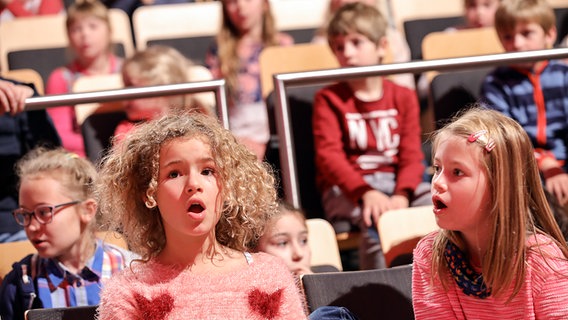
535 94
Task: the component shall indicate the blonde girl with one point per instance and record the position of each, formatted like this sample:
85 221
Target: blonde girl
58 212
157 65
499 253
89 33
190 200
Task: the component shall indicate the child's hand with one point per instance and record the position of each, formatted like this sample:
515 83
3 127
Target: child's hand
399 202
13 97
558 186
374 204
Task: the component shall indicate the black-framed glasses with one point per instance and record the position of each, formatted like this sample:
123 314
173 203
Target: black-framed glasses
43 214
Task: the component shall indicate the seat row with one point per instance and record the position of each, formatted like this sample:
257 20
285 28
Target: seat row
384 293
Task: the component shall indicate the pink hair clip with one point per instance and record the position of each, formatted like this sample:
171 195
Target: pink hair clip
482 136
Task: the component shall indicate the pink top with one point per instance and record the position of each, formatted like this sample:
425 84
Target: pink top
61 81
544 294
263 290
23 8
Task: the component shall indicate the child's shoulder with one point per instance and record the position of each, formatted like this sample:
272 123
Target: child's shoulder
425 247
340 89
544 255
266 259
262 261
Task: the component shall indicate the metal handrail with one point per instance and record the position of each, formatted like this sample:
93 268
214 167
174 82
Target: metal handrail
283 80
217 86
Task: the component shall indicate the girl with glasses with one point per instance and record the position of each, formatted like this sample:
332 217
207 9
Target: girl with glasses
58 212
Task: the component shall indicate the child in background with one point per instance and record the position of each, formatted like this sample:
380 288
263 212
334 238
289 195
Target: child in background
57 210
248 27
479 14
286 236
190 200
533 93
398 50
499 253
366 135
89 33
156 65
10 9
20 131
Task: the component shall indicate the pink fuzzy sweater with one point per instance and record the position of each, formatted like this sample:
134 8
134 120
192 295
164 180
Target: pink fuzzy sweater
263 290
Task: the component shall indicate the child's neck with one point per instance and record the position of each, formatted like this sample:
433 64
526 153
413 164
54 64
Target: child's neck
198 254
96 66
252 35
76 259
476 249
367 89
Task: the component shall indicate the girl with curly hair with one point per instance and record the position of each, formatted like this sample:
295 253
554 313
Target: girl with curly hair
190 200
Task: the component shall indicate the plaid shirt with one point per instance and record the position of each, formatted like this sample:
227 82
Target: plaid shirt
57 287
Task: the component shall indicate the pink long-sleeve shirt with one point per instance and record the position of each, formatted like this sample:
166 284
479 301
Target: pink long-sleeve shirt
61 81
543 295
265 289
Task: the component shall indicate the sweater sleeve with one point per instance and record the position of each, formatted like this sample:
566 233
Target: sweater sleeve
46 7
549 278
64 116
410 167
331 160
429 299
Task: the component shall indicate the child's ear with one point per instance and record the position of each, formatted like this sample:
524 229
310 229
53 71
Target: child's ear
90 210
382 48
550 37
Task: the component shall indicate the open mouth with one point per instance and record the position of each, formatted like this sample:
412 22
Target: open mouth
196 208
438 204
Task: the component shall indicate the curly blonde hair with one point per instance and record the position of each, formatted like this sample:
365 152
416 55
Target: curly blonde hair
128 177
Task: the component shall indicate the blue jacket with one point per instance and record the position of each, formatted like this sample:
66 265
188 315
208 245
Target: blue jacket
18 135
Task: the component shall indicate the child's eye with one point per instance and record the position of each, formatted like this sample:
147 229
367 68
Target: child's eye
457 172
436 169
173 174
356 42
208 172
507 37
282 243
304 241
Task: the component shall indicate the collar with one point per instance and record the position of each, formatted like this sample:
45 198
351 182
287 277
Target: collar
470 281
57 275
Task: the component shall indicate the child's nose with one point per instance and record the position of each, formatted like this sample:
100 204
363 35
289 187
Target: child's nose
297 252
438 183
193 184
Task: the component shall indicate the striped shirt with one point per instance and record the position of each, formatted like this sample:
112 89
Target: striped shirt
537 100
543 295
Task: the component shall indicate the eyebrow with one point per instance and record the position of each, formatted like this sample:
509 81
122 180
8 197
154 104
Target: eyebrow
200 160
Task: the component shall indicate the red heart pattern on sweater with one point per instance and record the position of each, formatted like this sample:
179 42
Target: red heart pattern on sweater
157 308
266 304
